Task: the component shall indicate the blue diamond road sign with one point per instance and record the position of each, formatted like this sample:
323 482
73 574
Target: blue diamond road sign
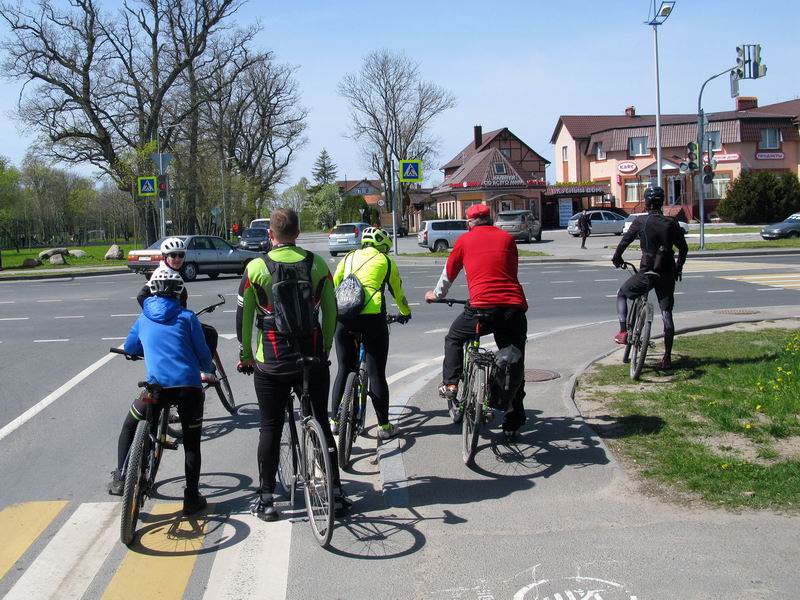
146 186
411 171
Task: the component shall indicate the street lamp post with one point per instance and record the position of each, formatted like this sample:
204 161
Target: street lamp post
658 18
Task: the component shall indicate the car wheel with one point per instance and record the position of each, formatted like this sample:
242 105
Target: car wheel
528 237
213 275
538 236
440 246
189 271
334 253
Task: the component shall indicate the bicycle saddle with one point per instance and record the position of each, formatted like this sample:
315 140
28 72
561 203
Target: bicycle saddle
309 361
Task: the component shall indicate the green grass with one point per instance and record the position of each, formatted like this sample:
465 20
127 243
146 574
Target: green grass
713 429
744 245
13 259
446 253
725 230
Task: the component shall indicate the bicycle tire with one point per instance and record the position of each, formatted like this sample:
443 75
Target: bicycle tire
287 457
642 343
318 484
347 421
135 477
225 394
626 355
473 408
158 450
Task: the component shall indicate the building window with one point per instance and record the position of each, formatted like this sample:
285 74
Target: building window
718 188
499 168
770 139
637 146
714 140
564 153
600 154
506 152
634 189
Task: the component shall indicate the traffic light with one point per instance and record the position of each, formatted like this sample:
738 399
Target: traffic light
757 69
708 173
741 61
692 156
163 186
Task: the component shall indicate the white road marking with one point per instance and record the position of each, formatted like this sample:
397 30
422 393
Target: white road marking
7 302
614 279
565 281
195 295
410 304
588 270
47 341
720 291
14 318
53 396
567 298
91 299
67 565
229 311
693 276
440 330
126 315
255 567
230 294
611 295
772 289
678 293
70 317
551 272
113 338
48 301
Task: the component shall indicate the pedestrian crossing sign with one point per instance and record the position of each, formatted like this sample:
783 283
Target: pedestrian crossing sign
147 186
411 171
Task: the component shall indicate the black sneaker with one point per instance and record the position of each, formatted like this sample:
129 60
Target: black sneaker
263 507
193 503
117 484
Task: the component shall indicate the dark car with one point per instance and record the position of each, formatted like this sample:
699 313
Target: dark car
255 238
789 228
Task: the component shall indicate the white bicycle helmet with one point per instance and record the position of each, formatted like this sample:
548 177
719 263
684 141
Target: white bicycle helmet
166 282
172 244
376 237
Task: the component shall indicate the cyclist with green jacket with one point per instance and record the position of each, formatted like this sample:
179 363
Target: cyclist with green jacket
375 270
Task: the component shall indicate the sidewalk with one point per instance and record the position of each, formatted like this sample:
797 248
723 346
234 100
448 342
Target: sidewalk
554 511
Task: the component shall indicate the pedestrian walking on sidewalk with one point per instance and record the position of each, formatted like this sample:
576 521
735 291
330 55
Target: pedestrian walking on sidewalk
585 227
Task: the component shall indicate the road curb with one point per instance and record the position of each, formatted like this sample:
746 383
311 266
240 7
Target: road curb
62 275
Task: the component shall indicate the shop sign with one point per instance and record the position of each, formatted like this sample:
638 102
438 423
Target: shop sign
627 167
733 157
495 180
769 155
564 211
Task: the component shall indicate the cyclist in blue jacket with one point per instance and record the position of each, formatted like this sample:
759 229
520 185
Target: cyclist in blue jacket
175 352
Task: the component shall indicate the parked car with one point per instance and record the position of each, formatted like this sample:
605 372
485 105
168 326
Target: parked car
603 222
262 223
402 231
788 228
521 224
205 254
256 239
631 218
439 235
345 237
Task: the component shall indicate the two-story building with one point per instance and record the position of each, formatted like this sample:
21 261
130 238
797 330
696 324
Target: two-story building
619 151
497 169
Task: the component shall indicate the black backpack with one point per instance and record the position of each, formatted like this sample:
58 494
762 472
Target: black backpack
294 312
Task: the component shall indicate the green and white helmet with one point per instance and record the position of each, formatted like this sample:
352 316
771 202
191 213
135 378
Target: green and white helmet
373 236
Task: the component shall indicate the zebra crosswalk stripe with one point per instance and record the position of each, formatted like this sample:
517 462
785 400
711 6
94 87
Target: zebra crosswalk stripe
67 565
776 280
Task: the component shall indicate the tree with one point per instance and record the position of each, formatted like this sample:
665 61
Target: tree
761 197
324 170
353 208
10 196
392 110
295 196
324 205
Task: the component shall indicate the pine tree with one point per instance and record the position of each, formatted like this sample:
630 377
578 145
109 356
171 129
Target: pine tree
324 170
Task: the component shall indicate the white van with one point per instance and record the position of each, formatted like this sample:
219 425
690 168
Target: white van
260 223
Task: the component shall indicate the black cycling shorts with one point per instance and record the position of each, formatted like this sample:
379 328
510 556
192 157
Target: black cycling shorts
639 284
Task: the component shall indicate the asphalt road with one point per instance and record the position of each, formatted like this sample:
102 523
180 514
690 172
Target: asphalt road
420 523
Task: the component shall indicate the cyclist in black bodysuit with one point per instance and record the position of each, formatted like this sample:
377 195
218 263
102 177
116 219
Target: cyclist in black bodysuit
657 236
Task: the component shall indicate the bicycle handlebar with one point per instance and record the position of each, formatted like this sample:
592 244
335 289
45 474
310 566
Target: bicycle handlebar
212 307
125 354
626 264
449 301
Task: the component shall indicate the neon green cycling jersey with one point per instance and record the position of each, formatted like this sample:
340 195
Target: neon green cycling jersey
369 265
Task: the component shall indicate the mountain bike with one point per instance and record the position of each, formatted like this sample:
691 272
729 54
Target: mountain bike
471 405
353 407
639 324
144 456
305 459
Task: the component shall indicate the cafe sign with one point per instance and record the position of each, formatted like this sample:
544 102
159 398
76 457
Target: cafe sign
627 167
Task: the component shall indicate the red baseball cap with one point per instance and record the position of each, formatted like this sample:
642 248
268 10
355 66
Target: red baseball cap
477 211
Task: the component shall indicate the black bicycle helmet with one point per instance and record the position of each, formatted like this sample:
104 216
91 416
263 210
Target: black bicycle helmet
654 198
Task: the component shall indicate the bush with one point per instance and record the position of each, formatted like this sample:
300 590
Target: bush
761 197
351 209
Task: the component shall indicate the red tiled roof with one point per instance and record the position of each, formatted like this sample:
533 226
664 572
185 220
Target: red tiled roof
479 172
469 151
348 184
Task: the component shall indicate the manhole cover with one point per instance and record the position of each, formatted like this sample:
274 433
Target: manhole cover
737 311
540 375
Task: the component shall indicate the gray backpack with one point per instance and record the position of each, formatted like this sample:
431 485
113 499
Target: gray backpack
350 297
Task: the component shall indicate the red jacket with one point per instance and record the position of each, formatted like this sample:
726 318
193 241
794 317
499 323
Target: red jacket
489 257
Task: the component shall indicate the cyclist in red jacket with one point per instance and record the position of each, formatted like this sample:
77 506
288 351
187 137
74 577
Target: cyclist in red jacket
489 257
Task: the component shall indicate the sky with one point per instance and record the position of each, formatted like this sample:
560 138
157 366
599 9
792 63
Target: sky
510 63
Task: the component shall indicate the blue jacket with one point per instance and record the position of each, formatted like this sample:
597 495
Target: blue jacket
172 342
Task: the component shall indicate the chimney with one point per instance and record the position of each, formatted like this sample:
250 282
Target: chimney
630 111
478 136
746 102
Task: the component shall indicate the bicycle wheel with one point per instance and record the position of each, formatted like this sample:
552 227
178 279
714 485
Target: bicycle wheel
318 488
225 394
473 415
135 480
626 356
287 458
347 420
158 449
642 342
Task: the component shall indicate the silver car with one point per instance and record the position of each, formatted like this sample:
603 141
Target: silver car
346 237
439 235
205 254
789 228
522 225
631 218
603 221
